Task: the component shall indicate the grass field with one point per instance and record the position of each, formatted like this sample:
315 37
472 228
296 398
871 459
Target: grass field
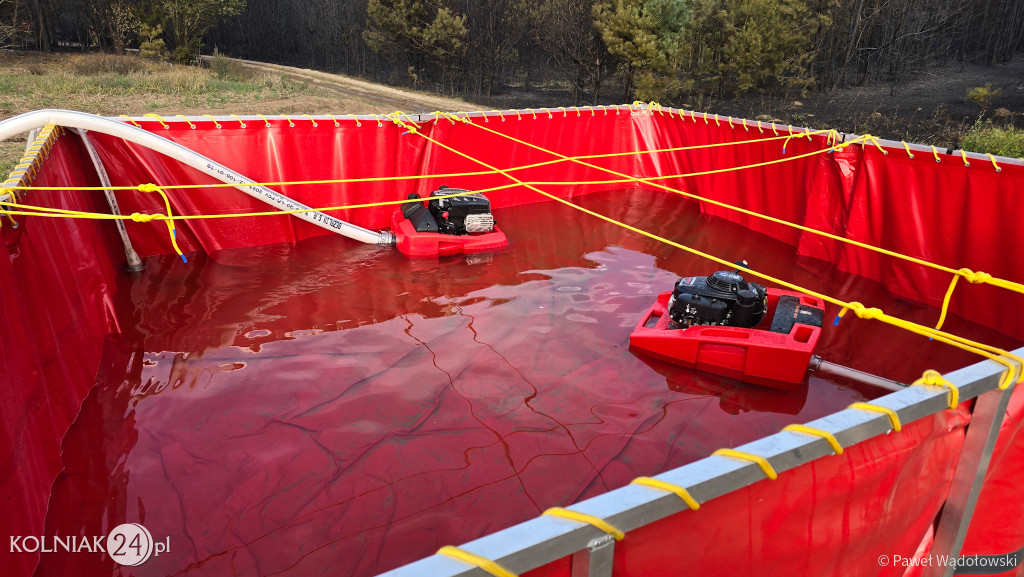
112 85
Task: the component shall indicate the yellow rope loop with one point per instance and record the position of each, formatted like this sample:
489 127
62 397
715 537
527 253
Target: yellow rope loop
358 124
605 111
564 113
548 110
158 119
241 123
586 519
994 165
731 125
475 560
578 112
129 119
484 113
874 140
292 124
832 441
907 148
759 129
932 378
963 155
769 471
706 119
974 277
935 153
669 487
862 311
185 118
215 123
334 120
745 127
791 130
717 123
775 130
693 116
518 116
311 119
500 115
894 419
170 216
139 217
265 121
379 123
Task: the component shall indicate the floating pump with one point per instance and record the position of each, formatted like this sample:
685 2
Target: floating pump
725 325
446 225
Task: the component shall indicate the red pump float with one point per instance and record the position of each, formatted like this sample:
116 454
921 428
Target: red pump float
459 222
716 324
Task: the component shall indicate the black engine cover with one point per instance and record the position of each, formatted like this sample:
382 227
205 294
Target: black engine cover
724 298
451 214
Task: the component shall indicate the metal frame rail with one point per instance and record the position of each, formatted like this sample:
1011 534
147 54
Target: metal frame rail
545 539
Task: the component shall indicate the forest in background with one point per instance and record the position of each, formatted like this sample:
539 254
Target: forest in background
591 50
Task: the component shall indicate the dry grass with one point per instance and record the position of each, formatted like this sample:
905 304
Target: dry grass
112 85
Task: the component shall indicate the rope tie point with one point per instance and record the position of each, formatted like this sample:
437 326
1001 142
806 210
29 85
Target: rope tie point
935 153
129 119
894 419
159 119
994 165
564 113
311 119
907 147
963 155
334 120
586 519
185 118
468 558
769 471
215 123
169 220
265 121
670 487
290 123
241 123
832 441
932 378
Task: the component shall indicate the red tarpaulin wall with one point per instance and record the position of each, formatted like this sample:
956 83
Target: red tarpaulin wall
882 495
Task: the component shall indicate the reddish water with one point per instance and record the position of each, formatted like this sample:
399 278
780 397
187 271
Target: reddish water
332 409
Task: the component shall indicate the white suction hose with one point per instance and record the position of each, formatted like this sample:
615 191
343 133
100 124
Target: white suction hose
134 262
71 119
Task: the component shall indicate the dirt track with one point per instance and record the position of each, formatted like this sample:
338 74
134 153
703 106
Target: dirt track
378 97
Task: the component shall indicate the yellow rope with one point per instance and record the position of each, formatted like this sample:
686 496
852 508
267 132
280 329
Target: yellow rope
836 447
170 221
311 119
587 519
290 123
265 121
769 471
185 118
670 487
907 147
129 118
158 119
994 165
334 120
935 379
215 123
1008 285
239 119
1013 363
893 417
476 560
